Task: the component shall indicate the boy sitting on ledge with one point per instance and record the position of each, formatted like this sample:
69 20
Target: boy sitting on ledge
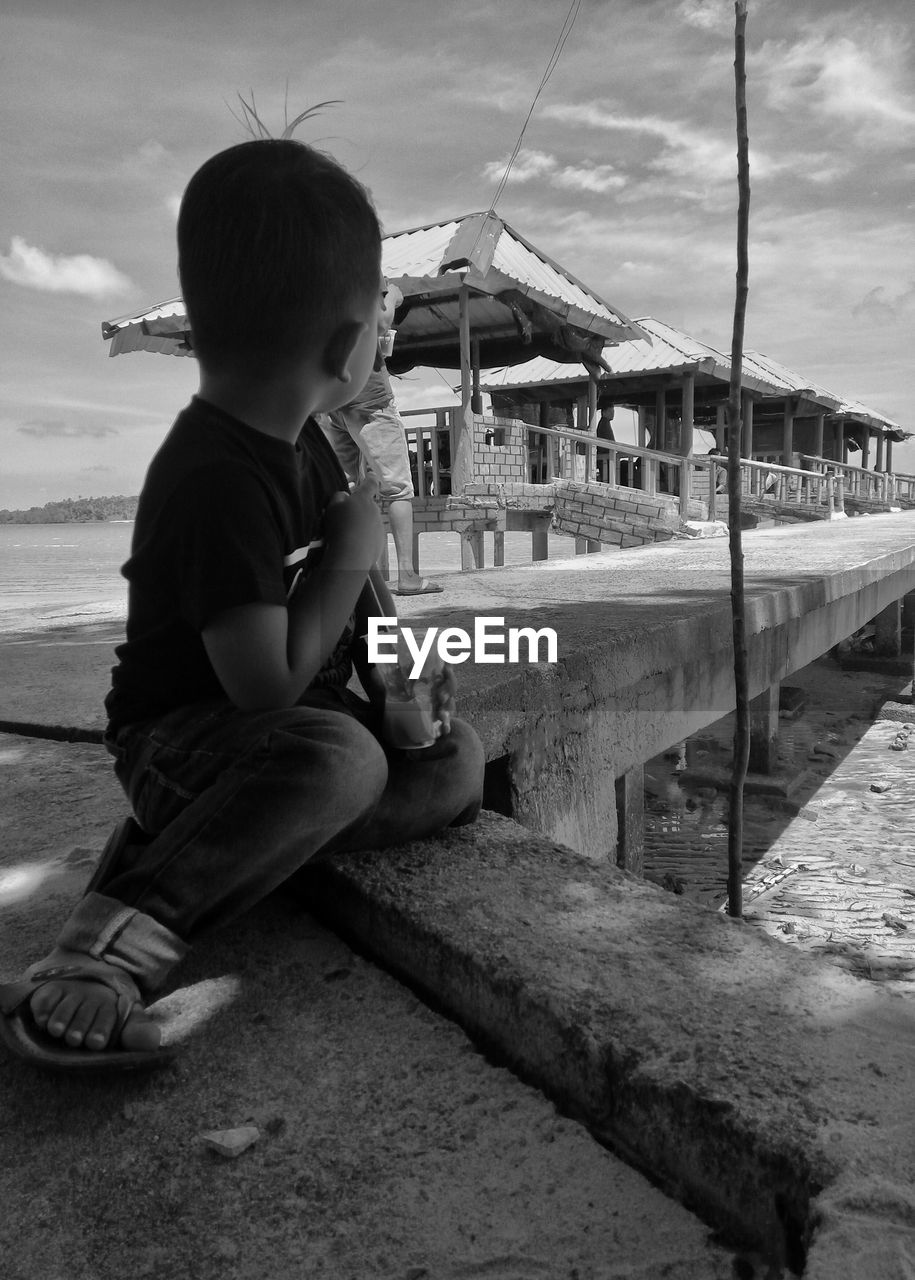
241 749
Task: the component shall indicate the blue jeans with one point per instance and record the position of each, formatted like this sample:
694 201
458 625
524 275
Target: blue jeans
236 802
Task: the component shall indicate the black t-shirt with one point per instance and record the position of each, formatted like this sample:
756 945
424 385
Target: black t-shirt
227 516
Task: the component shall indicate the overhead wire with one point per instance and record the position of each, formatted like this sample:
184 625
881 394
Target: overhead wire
561 39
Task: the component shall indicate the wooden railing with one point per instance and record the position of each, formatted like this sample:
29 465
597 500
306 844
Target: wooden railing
875 486
430 445
789 486
820 482
620 465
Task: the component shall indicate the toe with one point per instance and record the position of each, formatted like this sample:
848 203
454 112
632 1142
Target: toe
86 1014
71 1011
62 1015
140 1032
98 1031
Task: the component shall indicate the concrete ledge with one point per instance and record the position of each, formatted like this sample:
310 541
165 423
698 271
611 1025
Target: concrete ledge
766 1089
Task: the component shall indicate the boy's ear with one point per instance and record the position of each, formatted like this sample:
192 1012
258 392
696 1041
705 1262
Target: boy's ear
340 349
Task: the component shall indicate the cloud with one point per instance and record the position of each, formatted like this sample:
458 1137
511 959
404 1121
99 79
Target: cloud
80 273
54 429
879 308
707 15
532 165
590 177
686 148
859 79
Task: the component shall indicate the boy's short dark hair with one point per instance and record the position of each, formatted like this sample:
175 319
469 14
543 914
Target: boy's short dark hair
276 242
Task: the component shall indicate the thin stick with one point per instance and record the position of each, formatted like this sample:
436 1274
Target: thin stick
735 423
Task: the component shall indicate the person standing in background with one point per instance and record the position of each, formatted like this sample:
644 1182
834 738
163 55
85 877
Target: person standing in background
369 433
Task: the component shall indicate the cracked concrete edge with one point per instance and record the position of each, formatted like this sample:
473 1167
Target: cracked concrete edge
458 919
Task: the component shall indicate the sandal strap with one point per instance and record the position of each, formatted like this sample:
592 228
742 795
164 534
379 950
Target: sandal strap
14 994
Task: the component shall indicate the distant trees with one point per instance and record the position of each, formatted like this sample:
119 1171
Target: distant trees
74 510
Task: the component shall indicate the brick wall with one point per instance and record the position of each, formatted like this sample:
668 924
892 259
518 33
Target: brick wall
615 517
504 458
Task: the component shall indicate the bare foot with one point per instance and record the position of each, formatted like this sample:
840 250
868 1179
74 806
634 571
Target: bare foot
85 1014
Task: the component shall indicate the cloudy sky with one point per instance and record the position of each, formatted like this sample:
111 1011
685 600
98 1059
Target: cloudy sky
626 176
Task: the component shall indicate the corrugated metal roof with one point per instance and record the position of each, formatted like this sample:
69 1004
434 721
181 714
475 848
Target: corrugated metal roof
669 351
160 328
850 410
512 284
855 411
795 382
423 251
418 252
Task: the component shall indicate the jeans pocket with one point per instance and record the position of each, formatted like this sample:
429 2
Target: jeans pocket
157 797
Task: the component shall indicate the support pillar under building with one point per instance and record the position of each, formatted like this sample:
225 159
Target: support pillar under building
764 730
630 817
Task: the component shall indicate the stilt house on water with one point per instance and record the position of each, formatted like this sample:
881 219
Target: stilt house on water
558 359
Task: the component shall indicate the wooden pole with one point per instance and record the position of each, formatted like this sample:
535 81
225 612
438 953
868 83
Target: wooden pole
741 672
818 438
686 414
660 421
462 444
787 432
747 429
476 400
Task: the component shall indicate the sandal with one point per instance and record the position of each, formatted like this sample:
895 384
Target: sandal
23 1037
425 588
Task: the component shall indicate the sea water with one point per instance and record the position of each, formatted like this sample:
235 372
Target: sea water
55 574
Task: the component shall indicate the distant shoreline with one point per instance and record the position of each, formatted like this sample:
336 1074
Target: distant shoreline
103 510
92 520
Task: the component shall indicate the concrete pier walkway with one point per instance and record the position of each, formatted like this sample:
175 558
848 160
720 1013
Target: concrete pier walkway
762 1087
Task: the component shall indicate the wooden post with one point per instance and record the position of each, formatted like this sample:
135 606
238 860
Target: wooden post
866 449
764 730
818 437
684 488
630 819
881 443
720 414
540 542
889 453
476 398
787 432
641 415
687 394
582 418
592 405
888 631
747 433
543 410
660 420
462 443
472 549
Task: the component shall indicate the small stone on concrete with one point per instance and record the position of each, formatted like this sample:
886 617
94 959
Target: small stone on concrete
231 1142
